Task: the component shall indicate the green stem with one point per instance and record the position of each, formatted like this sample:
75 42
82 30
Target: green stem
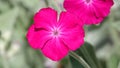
79 59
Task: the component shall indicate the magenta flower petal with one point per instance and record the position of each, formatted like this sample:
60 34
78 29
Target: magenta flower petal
90 11
55 38
55 49
74 38
73 35
37 39
45 17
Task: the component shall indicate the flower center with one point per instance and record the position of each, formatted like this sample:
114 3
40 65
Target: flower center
55 32
87 1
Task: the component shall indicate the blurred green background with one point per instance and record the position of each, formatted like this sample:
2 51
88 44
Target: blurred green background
17 15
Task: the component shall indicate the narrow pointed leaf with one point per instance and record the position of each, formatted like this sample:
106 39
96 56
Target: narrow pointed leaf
87 52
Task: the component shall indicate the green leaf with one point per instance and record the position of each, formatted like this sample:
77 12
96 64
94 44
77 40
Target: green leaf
1 63
7 20
7 23
65 63
113 61
116 25
75 63
4 6
33 58
18 61
88 54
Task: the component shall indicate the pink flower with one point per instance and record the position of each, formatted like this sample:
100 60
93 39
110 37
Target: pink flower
90 11
55 37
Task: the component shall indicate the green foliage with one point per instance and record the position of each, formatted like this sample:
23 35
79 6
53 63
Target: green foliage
15 18
75 63
17 15
88 54
113 61
8 19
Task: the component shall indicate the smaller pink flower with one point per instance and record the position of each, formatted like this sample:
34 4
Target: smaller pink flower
90 11
53 36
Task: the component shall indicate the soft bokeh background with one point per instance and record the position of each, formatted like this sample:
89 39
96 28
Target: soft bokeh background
17 15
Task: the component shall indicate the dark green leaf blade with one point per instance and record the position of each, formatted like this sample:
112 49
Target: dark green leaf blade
75 63
87 52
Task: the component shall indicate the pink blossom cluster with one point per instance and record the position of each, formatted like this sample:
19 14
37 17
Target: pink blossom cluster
55 35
